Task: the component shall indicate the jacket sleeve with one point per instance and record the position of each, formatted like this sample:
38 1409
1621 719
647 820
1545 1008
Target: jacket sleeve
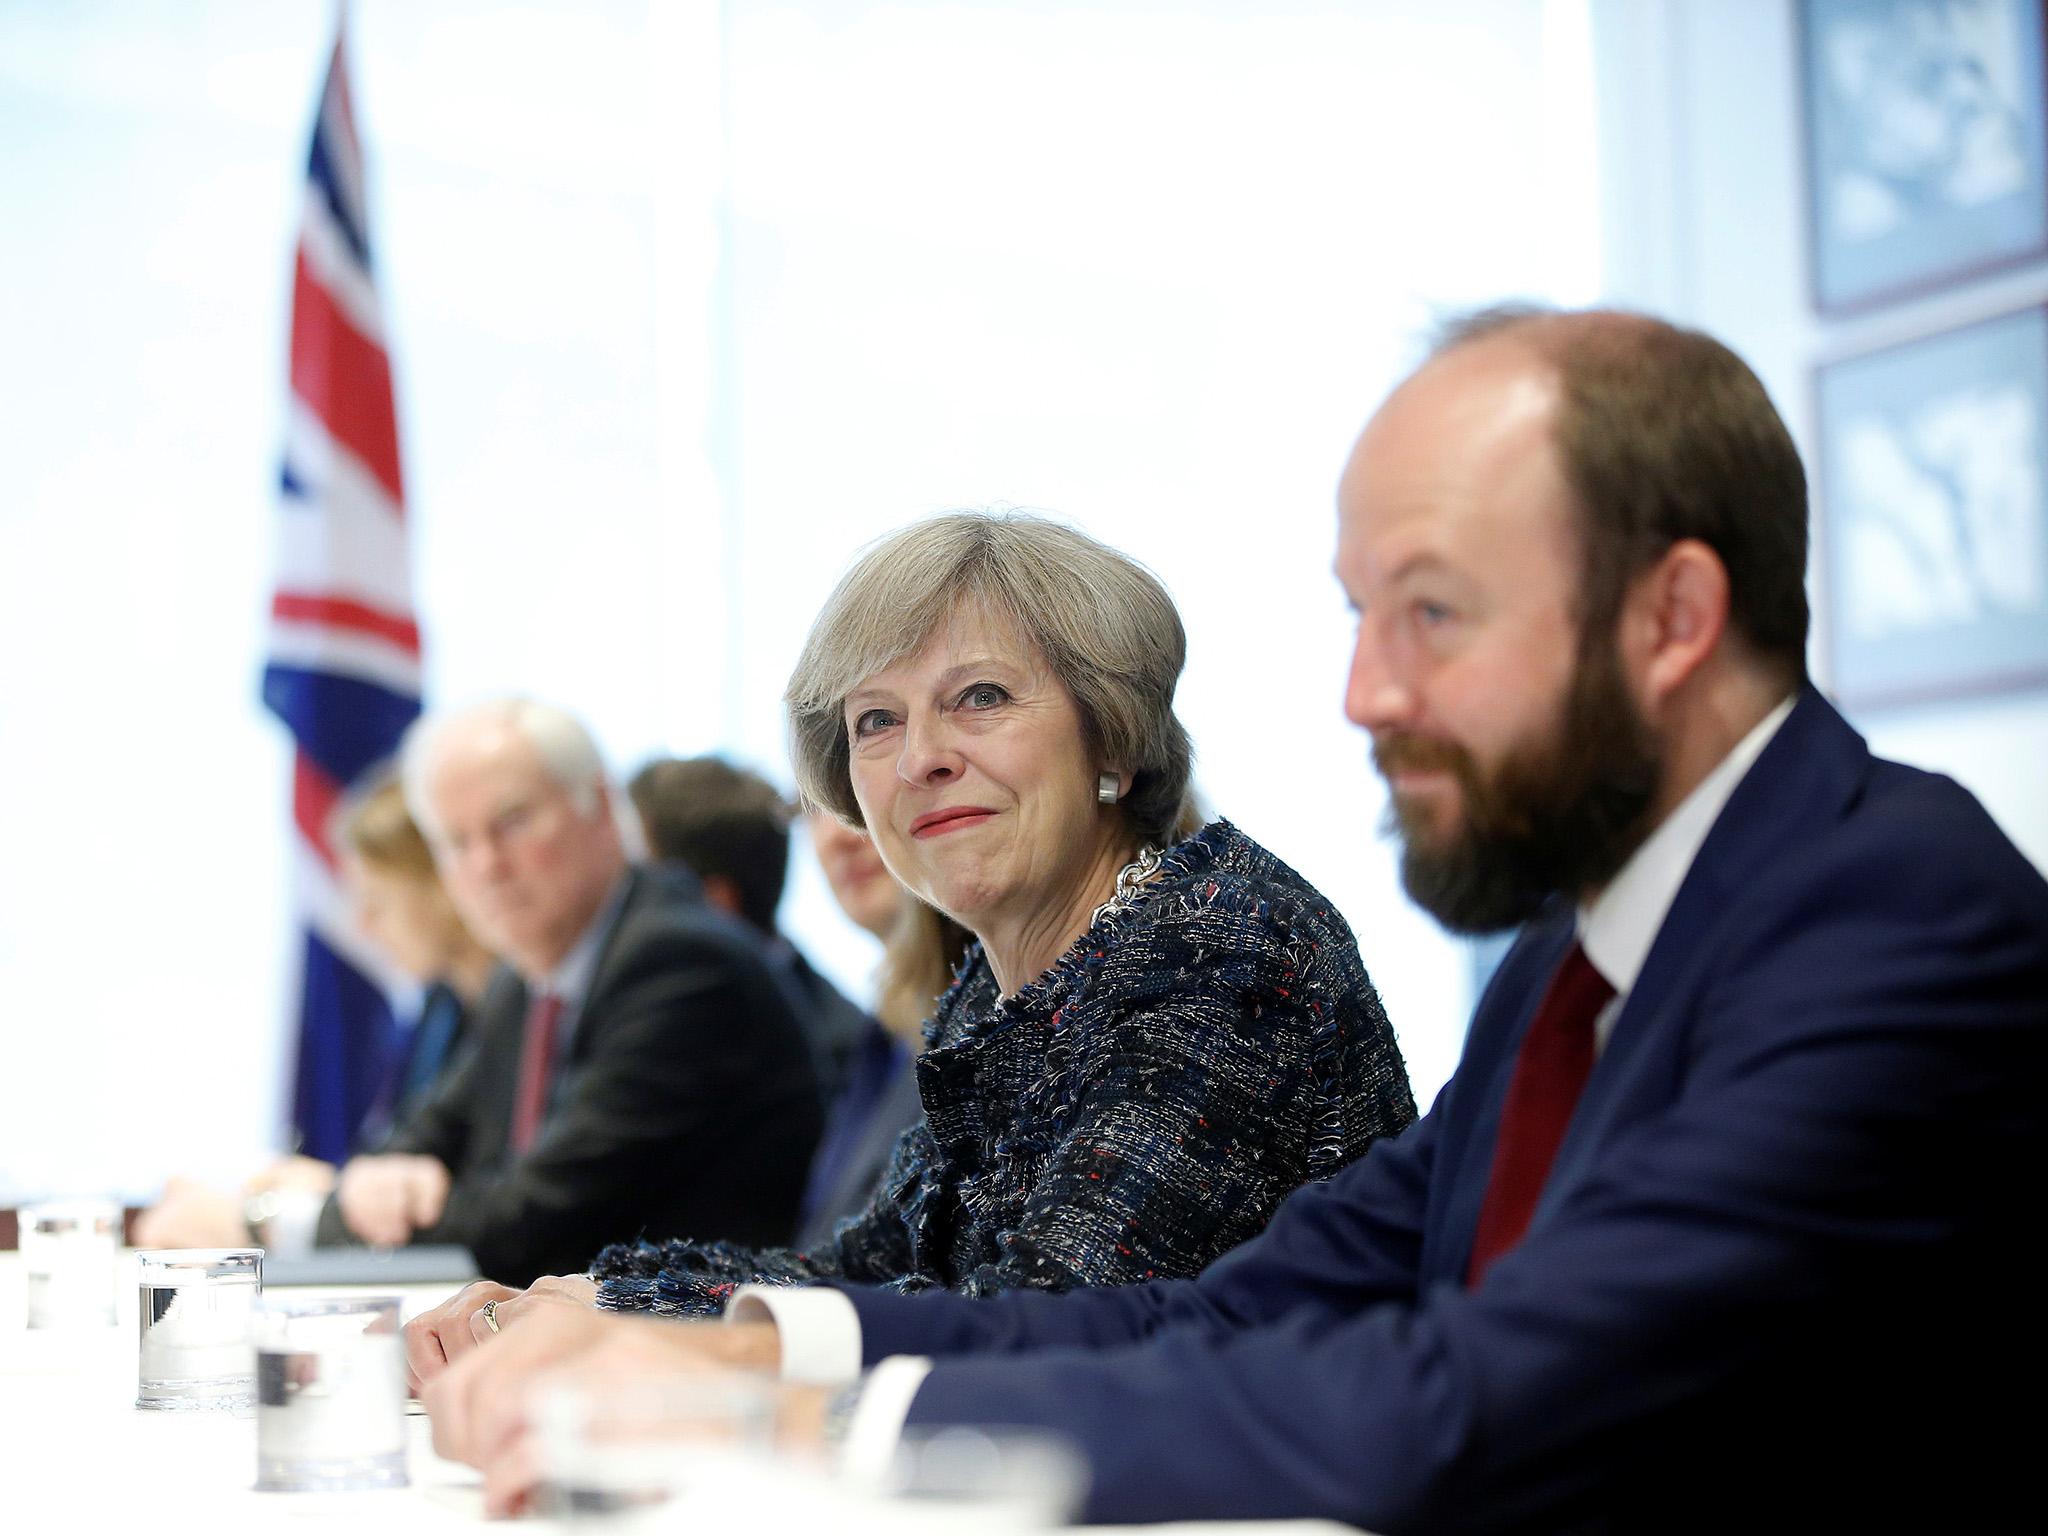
686 1278
1221 1060
1358 1235
1858 1110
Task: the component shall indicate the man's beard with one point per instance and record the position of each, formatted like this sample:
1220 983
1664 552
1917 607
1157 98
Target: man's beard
1562 813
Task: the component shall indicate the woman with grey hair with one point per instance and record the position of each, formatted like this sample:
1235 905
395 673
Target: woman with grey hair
1162 1029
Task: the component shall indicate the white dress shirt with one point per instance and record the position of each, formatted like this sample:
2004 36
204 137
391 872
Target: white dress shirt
1619 925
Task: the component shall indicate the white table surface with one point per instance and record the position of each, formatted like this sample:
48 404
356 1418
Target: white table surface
76 1455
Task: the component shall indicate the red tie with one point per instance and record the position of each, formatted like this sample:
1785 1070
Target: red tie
1556 1059
536 1065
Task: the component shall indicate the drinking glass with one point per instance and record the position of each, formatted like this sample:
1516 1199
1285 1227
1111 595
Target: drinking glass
955 1479
616 1456
330 1393
194 1310
68 1249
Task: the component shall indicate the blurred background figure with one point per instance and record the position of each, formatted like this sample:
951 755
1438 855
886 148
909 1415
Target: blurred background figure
877 1101
398 903
637 1063
402 907
731 829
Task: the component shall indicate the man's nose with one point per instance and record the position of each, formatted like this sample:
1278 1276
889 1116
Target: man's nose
1375 696
485 857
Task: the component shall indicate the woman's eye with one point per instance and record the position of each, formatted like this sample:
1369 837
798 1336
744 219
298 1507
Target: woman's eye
1432 614
869 721
983 696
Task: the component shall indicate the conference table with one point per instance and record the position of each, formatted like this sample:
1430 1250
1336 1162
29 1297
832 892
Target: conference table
77 1454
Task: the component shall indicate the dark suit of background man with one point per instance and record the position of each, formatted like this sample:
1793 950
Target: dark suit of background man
731 829
638 1067
1773 1265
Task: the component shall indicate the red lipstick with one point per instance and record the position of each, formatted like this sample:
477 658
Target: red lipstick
950 819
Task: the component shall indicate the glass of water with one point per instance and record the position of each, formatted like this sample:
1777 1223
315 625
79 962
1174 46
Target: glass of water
195 1307
330 1393
984 1480
68 1249
618 1455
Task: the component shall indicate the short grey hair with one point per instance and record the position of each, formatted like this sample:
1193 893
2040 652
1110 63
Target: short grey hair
1104 624
568 754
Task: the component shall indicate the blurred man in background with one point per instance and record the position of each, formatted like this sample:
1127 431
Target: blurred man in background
638 1065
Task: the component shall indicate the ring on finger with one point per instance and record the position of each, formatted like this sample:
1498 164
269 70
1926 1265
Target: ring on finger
491 1315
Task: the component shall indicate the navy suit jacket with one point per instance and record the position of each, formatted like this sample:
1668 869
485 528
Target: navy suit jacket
1778 1271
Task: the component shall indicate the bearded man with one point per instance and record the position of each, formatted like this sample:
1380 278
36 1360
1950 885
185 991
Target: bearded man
1718 1221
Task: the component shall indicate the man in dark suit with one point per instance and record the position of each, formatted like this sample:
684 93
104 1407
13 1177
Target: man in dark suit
638 1067
1722 1218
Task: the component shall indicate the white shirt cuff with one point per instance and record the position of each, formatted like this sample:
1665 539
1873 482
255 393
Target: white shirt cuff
818 1328
876 1428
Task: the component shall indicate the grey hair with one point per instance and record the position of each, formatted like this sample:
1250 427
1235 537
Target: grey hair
1103 623
568 754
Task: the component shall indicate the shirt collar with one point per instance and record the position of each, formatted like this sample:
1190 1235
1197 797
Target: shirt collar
570 980
1619 927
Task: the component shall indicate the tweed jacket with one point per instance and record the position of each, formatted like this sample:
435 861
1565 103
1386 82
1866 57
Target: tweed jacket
1138 1110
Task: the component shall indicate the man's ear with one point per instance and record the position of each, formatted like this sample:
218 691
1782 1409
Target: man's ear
1673 620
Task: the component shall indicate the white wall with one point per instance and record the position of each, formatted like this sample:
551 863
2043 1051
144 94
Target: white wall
1705 222
687 301
524 214
1147 267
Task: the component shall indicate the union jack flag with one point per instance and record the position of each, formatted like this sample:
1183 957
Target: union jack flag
343 669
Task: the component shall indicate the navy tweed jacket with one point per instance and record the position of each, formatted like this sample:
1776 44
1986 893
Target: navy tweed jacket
1136 1112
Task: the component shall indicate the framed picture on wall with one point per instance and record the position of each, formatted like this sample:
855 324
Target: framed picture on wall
1934 489
1926 142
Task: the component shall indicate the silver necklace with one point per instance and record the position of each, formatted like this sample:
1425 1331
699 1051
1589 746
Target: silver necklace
1128 879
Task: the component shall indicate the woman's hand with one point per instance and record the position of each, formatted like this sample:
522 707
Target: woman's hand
442 1335
437 1338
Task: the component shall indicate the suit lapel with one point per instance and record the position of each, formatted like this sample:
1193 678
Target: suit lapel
637 885
501 1027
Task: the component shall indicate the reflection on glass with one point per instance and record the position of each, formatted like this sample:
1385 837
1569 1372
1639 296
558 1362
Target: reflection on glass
194 1311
